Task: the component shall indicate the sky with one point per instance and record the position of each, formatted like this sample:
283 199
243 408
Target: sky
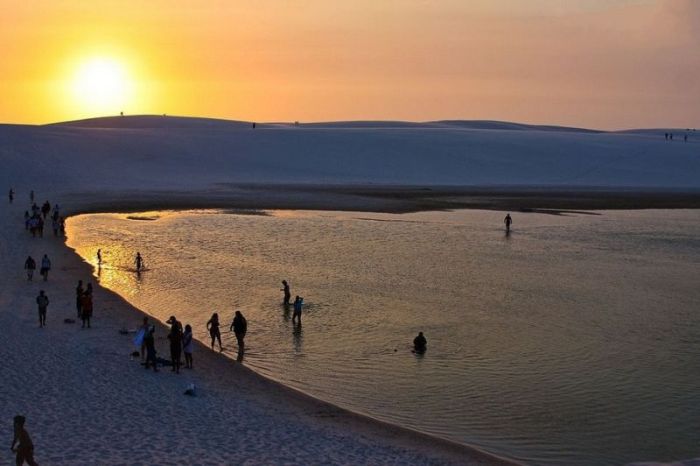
608 64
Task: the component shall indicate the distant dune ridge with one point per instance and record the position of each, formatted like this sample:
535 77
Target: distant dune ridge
163 152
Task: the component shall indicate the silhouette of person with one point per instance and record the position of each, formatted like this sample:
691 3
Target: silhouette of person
42 302
239 326
139 262
214 332
298 303
420 344
287 293
508 221
25 448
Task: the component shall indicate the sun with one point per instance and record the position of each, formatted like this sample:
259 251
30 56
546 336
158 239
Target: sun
102 86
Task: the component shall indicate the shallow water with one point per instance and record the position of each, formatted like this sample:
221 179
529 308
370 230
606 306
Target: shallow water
574 340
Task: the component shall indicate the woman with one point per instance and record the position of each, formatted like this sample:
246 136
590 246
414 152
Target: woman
187 346
213 327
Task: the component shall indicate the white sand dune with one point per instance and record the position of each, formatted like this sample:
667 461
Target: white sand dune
88 403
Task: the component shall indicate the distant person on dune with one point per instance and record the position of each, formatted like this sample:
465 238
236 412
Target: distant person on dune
42 302
30 266
45 209
420 344
187 346
11 195
31 196
298 304
508 221
685 139
239 326
287 293
214 332
25 448
99 257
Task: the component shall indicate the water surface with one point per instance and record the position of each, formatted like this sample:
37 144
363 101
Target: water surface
573 340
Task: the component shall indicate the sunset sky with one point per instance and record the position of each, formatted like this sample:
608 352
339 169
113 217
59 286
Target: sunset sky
595 63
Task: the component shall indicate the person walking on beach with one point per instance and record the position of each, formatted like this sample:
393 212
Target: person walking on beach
175 337
99 257
187 346
26 219
86 307
45 267
239 326
11 195
298 303
139 262
43 302
31 196
45 209
25 448
287 293
79 299
30 267
420 344
149 341
508 221
214 332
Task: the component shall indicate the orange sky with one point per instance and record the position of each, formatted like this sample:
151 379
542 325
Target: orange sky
594 63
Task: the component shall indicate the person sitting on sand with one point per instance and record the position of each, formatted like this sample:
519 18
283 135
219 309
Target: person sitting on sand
298 303
150 341
214 332
187 346
287 293
508 221
25 448
175 337
420 344
43 302
30 266
239 326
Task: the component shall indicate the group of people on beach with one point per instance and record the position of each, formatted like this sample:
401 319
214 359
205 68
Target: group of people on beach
34 222
669 137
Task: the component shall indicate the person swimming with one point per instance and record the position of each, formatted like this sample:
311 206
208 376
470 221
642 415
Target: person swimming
420 344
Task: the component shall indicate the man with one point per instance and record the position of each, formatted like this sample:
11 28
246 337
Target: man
43 302
298 303
420 344
30 266
25 447
508 221
45 267
239 327
287 293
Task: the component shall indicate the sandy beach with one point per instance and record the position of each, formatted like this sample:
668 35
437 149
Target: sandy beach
88 402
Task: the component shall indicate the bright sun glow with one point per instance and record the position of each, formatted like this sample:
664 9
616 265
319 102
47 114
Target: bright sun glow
102 86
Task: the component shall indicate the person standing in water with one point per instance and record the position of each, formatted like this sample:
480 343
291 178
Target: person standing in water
45 267
139 262
420 344
99 257
214 332
25 447
175 337
239 326
30 267
508 221
188 346
298 303
287 293
42 302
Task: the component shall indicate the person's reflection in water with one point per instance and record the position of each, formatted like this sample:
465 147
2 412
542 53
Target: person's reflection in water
298 335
